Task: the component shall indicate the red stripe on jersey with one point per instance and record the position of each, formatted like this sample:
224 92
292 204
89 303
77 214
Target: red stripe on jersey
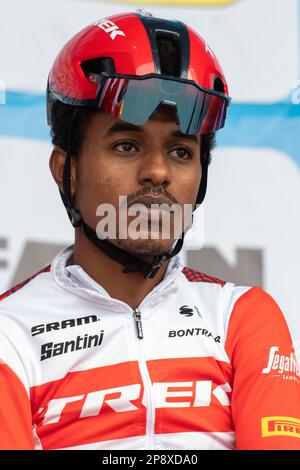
196 276
15 412
106 403
14 289
201 396
91 416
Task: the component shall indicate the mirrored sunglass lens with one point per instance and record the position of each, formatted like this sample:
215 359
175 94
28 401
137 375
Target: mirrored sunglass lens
135 100
140 100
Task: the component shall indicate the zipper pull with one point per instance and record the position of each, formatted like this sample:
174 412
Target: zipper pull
138 321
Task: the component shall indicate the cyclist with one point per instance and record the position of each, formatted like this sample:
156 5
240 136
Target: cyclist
117 345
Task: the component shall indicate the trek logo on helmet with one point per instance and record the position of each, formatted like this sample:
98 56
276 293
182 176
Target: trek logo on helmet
110 27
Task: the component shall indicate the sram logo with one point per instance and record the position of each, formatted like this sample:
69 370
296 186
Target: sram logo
110 28
121 399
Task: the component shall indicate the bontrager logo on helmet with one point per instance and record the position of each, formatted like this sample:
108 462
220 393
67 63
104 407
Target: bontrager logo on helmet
110 27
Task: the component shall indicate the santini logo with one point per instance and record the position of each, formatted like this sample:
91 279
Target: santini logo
186 311
80 342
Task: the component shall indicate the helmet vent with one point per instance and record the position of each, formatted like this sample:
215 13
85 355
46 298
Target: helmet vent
98 66
219 85
169 54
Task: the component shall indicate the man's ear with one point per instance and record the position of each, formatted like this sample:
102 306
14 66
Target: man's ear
57 165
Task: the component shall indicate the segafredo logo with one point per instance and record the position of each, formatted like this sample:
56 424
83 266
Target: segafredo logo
110 28
280 364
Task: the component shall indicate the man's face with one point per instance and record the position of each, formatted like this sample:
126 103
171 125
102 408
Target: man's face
150 164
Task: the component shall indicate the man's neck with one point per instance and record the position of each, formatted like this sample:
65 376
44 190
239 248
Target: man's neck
131 288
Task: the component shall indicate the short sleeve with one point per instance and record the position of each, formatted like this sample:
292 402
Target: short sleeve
266 391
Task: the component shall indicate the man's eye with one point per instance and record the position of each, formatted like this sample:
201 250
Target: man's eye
181 152
125 146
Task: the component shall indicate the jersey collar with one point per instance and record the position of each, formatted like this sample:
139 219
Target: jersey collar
75 279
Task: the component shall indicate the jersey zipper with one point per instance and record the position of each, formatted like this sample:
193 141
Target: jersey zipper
146 381
138 322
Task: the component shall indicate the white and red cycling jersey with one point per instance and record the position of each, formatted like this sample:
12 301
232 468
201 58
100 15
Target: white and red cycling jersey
199 364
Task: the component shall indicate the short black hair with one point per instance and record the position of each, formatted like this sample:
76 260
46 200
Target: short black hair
69 125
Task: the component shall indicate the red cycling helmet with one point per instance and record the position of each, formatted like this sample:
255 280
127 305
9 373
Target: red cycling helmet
127 65
117 61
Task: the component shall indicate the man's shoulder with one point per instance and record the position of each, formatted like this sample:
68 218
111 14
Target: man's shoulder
192 275
218 295
228 288
22 289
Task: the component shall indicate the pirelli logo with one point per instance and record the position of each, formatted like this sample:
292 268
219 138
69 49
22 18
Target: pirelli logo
280 426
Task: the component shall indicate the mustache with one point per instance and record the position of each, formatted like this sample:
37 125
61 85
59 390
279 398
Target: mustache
148 196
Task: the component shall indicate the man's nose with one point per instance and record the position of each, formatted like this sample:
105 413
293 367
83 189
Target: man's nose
155 168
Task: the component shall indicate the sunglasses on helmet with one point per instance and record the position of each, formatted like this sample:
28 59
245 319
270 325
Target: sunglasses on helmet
135 99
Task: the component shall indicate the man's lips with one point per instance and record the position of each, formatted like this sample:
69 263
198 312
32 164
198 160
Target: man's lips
148 201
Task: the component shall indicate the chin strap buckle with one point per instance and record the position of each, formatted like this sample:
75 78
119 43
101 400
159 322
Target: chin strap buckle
75 217
152 269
